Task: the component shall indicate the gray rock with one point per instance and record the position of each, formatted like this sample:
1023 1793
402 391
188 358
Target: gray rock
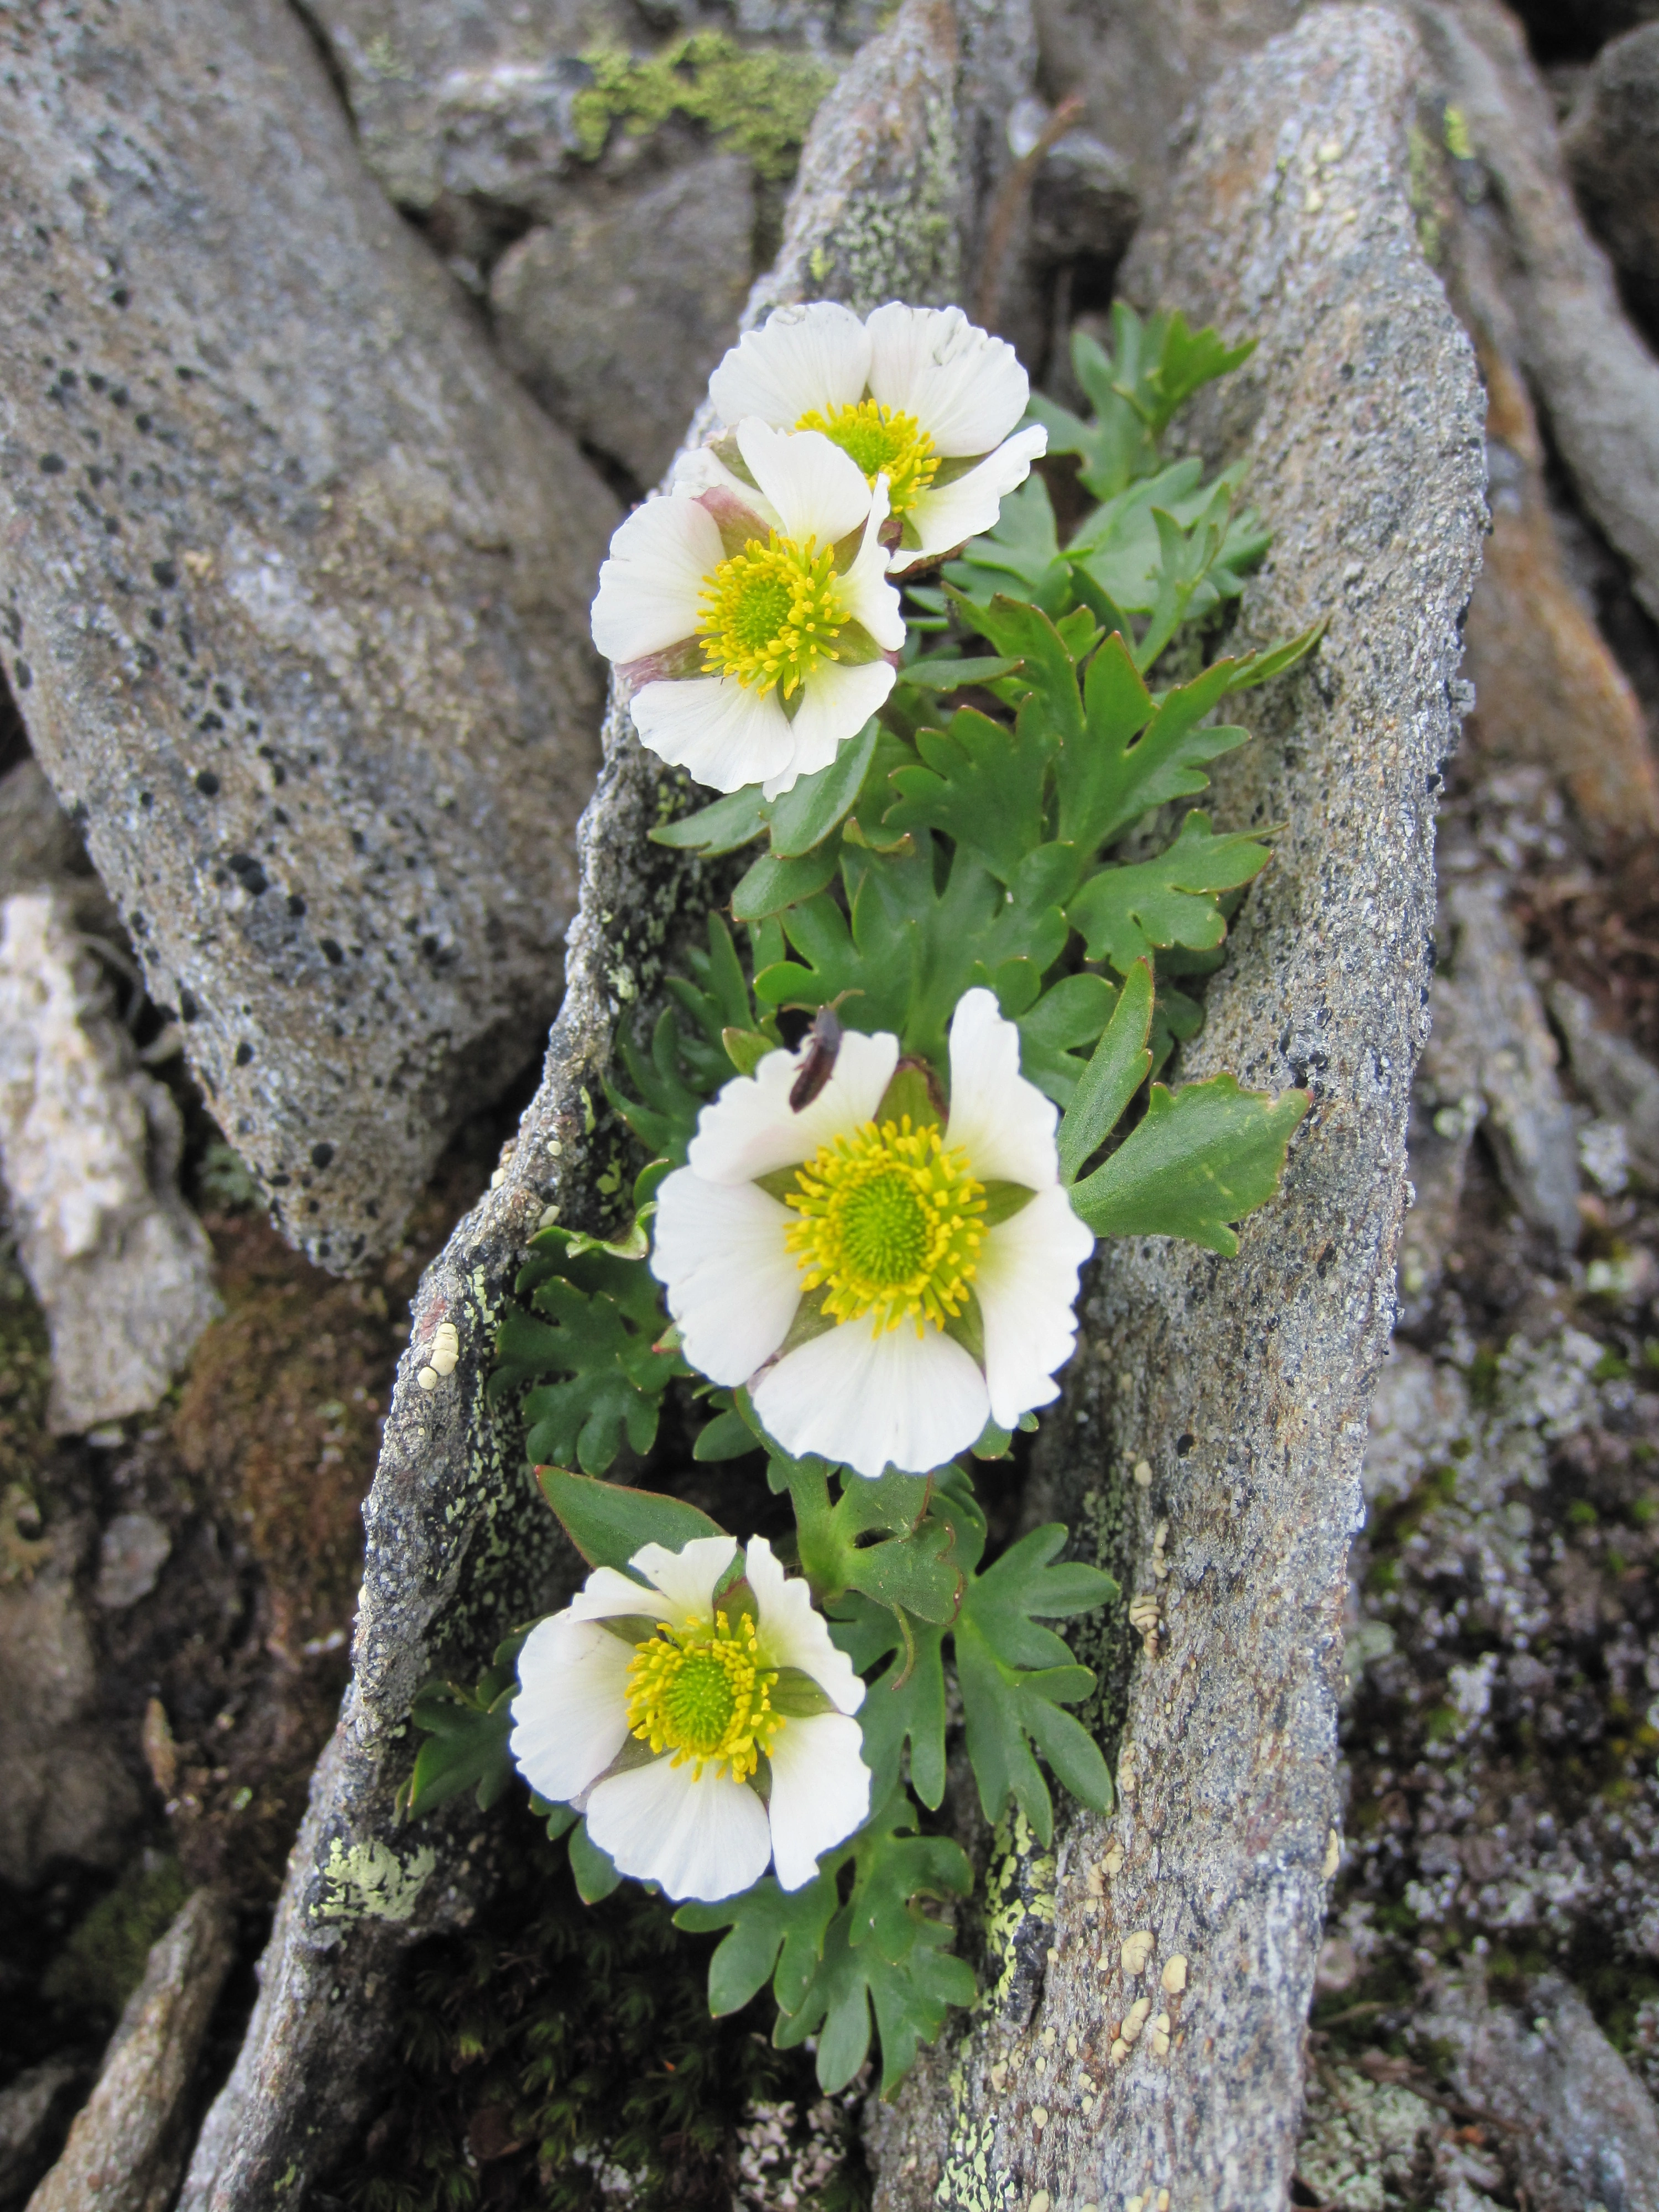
459 1545
30 2107
127 2146
1490 1037
1530 278
131 1553
67 1794
1243 1386
1621 1083
89 1148
615 316
1085 206
1612 148
294 583
1591 2132
38 843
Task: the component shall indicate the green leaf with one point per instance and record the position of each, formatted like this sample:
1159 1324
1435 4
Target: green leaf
772 885
981 783
910 1999
1205 1155
1014 1673
916 1566
608 1523
1048 664
1117 1070
596 1877
596 1320
804 816
905 1703
1261 668
663 1113
467 1730
1064 1019
772 1930
731 821
943 673
1138 753
1124 913
727 1436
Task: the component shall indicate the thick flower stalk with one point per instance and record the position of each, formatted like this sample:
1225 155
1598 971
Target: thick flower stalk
701 1724
917 395
888 1279
751 617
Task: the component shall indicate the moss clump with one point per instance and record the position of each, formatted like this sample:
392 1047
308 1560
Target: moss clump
25 1443
103 1961
758 104
556 2048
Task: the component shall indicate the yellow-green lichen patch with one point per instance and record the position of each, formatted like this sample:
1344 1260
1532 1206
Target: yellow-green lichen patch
369 1881
1019 1907
911 226
759 104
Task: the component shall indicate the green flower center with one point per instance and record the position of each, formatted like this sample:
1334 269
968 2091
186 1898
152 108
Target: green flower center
771 613
890 1223
881 442
702 1691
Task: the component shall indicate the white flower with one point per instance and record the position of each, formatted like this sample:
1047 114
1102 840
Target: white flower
916 394
752 618
651 1707
907 1285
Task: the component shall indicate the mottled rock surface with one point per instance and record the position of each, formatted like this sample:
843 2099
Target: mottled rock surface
459 1547
128 2143
1240 1388
614 315
1620 1082
89 1148
292 585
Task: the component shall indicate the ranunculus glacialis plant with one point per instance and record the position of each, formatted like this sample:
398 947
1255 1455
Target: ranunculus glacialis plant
751 621
659 1705
918 396
888 1283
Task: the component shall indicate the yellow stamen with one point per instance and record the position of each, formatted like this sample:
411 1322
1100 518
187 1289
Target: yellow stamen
881 442
771 613
891 1223
702 1691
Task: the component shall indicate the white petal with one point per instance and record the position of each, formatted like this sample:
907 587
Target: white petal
871 1399
806 359
706 1838
1006 1124
732 1284
687 1578
967 390
870 598
793 1633
1027 1285
817 490
608 1594
749 1130
651 587
836 704
571 1717
724 735
820 1792
959 511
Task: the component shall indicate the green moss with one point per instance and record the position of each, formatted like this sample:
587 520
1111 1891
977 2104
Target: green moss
554 2047
103 1961
759 104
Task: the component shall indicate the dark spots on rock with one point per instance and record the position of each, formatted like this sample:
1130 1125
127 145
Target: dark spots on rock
166 574
112 525
225 695
296 905
119 396
120 297
24 674
1184 1444
244 1054
312 1206
1432 782
278 815
146 800
358 845
321 1155
67 379
149 659
158 618
142 422
188 1008
331 952
279 1181
185 375
372 1208
52 464
248 872
1322 1264
207 783
355 1246
210 721
12 623
137 925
